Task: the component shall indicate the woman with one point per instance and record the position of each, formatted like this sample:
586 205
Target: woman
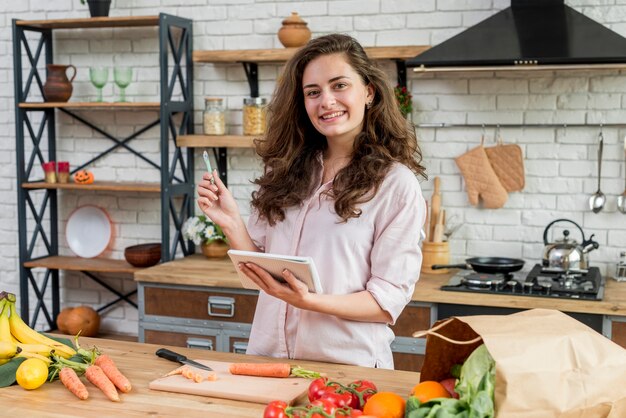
340 186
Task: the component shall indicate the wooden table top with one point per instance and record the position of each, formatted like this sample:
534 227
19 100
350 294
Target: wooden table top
197 270
139 363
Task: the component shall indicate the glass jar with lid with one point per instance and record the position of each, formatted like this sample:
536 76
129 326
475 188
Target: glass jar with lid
253 116
620 271
213 118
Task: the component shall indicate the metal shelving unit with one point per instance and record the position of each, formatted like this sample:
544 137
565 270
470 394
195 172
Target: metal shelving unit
38 201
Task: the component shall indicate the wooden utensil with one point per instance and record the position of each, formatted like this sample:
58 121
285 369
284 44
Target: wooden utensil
438 231
435 207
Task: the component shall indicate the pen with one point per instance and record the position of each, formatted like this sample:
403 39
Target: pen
207 161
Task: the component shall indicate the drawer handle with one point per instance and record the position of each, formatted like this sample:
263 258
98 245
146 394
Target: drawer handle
200 343
240 347
225 304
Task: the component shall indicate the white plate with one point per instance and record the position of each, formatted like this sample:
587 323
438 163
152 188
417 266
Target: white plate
88 231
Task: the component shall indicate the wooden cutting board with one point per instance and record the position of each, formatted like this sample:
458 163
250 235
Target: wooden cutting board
241 388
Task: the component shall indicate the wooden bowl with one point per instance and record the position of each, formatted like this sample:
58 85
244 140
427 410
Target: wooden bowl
143 255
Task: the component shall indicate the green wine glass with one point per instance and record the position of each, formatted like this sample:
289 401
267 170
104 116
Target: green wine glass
122 77
99 77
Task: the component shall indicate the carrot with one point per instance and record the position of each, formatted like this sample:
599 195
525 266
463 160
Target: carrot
110 369
261 369
71 381
96 376
272 370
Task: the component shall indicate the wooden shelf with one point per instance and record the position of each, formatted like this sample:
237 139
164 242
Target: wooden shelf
93 105
99 185
215 141
283 54
564 67
93 22
102 265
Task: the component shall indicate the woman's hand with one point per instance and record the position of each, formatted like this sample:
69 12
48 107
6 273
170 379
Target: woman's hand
294 292
216 201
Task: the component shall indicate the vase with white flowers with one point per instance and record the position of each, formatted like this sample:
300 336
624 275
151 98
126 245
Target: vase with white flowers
204 232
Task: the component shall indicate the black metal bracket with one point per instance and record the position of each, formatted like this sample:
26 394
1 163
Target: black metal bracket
120 295
252 73
220 155
401 71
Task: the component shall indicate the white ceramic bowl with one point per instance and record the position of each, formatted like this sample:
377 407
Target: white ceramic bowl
88 231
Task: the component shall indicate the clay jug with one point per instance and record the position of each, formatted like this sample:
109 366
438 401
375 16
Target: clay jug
57 87
294 32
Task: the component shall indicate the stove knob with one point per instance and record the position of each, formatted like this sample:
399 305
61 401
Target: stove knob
496 284
546 287
528 287
512 284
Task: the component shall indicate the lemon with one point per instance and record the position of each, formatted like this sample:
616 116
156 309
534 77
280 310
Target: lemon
32 373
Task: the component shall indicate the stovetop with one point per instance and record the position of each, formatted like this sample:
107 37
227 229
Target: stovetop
539 282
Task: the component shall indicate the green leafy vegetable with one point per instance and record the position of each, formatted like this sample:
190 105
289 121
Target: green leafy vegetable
7 372
476 387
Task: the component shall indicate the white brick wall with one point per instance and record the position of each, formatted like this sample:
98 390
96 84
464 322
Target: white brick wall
560 163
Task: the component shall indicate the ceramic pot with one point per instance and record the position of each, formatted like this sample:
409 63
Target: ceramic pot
99 8
58 88
216 249
294 32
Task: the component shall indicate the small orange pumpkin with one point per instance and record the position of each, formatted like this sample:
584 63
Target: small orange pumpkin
83 177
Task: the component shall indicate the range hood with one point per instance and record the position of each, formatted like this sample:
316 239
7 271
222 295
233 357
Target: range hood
530 34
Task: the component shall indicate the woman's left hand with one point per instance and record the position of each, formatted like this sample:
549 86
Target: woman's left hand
294 292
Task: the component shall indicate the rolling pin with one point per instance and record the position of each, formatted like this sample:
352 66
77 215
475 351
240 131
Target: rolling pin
435 207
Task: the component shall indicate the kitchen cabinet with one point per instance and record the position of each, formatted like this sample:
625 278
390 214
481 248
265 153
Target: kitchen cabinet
38 227
194 316
618 330
250 60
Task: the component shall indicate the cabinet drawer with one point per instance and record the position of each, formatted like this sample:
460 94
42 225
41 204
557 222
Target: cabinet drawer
413 318
408 362
196 304
176 338
237 345
618 333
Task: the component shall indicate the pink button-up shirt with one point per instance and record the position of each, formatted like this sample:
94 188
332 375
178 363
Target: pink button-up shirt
377 252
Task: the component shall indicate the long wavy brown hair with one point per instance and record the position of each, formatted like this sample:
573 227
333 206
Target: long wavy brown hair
291 146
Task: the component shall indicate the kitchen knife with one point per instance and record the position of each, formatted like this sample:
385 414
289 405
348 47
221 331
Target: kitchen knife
172 356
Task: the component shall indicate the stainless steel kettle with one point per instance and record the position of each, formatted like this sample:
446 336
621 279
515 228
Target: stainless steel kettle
566 254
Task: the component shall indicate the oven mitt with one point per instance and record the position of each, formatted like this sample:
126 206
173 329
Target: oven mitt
480 179
508 163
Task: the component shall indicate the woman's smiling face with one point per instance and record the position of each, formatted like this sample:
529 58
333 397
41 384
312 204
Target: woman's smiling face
335 97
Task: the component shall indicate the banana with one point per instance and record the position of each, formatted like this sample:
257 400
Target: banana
26 354
5 328
26 335
8 350
4 361
41 349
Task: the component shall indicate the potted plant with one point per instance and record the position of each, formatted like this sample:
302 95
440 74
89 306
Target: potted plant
98 8
204 232
405 100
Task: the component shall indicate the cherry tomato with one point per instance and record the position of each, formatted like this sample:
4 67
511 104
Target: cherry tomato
317 387
326 404
339 399
275 409
366 389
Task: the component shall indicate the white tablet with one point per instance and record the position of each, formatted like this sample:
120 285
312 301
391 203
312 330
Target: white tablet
301 267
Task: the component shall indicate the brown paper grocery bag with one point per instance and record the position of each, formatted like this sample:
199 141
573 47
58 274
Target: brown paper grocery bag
547 363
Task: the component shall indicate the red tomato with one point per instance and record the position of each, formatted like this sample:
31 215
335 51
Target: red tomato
275 409
339 399
317 387
366 388
326 404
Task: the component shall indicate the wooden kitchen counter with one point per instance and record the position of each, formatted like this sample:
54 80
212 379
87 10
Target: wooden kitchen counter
197 270
139 363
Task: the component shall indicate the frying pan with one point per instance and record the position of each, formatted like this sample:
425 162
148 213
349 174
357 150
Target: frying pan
486 265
